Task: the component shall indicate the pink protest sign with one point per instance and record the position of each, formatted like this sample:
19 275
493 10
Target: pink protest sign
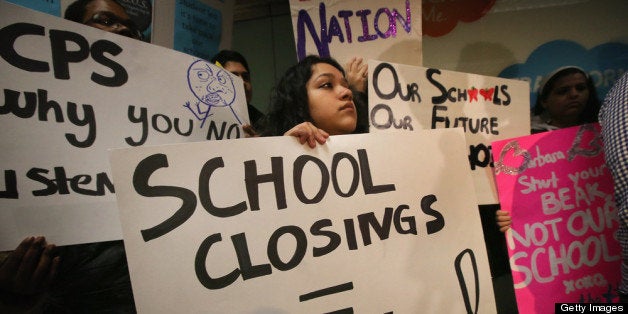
560 195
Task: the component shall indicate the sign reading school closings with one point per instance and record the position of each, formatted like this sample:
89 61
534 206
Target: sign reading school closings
262 225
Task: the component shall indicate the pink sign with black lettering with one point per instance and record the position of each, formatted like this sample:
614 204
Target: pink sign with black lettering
559 193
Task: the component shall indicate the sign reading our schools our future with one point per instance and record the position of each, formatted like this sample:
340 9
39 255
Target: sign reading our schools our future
411 98
560 195
71 92
344 227
370 29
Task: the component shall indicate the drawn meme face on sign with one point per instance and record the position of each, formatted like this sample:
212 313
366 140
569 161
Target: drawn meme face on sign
212 86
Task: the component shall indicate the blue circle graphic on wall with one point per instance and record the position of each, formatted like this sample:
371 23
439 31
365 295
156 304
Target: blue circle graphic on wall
605 63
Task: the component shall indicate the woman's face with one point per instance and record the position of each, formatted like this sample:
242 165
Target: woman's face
111 17
330 100
568 97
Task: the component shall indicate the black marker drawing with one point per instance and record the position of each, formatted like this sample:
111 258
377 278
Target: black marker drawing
463 285
213 87
326 291
347 286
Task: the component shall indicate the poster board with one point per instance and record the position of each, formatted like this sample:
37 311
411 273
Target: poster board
194 26
70 93
561 243
346 226
370 29
411 98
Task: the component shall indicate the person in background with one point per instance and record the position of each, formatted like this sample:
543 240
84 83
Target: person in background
235 63
108 15
566 98
356 70
312 101
85 278
357 74
614 123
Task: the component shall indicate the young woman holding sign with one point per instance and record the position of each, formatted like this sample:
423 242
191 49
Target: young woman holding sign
566 98
313 101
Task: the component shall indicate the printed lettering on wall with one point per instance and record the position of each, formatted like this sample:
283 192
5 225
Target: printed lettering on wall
441 17
197 28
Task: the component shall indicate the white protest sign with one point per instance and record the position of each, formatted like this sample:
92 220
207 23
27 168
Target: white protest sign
371 29
266 225
410 98
70 93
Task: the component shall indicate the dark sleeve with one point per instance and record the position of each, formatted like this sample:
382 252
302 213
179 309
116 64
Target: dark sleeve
254 115
93 278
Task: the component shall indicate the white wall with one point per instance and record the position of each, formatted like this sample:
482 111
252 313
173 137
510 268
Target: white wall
513 29
506 35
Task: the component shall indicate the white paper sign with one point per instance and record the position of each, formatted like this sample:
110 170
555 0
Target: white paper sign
70 93
410 98
371 29
266 225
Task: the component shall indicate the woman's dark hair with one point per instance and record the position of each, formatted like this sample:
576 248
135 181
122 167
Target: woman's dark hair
289 101
592 107
76 11
224 56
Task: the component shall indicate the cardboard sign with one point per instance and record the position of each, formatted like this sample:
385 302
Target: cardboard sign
70 93
560 195
371 29
410 98
268 225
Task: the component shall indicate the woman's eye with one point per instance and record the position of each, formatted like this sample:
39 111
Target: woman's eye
107 21
326 85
